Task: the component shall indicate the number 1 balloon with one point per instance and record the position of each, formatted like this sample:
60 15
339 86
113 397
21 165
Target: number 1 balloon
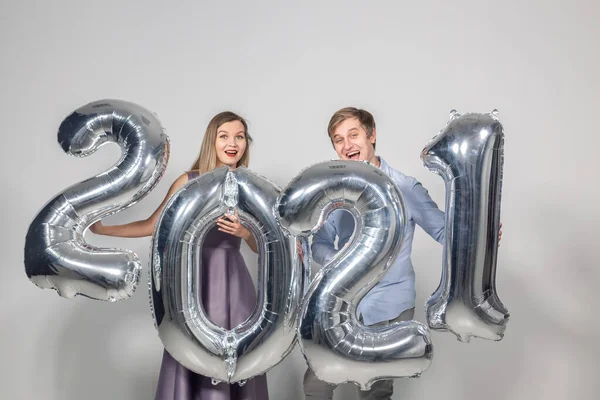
56 253
468 155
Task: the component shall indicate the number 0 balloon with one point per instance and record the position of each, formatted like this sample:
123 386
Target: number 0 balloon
189 335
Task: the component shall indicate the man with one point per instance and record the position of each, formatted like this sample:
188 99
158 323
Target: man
353 135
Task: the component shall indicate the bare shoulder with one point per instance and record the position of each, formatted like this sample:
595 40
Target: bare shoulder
180 182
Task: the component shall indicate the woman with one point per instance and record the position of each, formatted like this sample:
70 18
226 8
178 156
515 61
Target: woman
228 294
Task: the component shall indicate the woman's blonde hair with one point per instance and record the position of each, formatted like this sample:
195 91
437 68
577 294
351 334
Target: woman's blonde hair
207 160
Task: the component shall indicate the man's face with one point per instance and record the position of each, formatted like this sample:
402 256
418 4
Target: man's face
351 142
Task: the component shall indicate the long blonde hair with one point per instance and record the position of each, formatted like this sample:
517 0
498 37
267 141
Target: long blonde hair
207 159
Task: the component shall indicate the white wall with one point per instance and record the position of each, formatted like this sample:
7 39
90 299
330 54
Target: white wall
288 68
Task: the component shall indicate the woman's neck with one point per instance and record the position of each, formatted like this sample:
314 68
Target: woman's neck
220 164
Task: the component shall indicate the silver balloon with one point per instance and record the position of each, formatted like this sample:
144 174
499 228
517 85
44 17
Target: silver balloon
56 253
269 334
336 345
468 154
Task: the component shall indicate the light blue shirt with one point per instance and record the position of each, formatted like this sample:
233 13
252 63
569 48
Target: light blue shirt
395 292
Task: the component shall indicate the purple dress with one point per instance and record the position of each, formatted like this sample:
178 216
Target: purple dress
229 297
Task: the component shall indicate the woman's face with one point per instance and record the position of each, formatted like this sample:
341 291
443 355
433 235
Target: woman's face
231 143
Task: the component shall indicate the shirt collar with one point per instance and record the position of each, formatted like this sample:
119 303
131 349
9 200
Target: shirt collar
383 165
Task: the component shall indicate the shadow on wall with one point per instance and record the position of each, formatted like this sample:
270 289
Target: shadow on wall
547 281
104 351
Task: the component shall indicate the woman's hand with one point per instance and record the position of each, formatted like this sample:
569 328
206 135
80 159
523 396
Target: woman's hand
231 224
97 228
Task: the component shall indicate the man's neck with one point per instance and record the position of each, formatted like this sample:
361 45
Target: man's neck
376 161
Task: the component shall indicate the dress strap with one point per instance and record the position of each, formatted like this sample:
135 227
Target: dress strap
192 174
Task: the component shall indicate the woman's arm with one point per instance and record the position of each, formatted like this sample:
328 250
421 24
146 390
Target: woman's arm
139 228
251 242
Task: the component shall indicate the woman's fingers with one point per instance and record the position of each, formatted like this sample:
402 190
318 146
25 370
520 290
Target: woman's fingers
224 222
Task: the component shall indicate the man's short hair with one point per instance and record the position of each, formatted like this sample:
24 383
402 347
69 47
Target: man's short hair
364 117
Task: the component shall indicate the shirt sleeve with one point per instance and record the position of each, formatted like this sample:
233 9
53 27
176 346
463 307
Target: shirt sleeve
323 244
425 212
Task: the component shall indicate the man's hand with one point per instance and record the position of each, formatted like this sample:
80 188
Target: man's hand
500 234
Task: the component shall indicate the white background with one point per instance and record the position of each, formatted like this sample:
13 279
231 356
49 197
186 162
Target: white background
287 69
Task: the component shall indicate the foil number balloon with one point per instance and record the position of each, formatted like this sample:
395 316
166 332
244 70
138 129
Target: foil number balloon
336 345
468 155
56 254
269 334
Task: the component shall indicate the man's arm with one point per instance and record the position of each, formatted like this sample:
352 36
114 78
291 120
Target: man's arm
323 249
426 213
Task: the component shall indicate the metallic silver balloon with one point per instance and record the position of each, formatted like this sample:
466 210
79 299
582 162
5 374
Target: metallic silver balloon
56 253
468 154
336 345
269 334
